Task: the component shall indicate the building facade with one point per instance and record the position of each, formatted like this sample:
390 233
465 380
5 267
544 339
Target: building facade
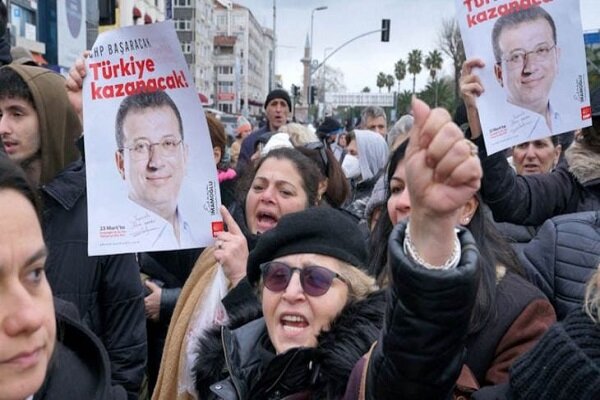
243 66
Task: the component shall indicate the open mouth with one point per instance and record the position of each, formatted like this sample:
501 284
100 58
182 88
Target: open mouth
265 220
293 323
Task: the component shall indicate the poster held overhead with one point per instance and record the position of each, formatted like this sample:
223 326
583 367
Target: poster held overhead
151 178
535 75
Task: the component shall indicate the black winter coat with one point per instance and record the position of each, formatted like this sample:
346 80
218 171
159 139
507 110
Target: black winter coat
422 347
564 365
79 368
562 257
106 290
241 363
573 186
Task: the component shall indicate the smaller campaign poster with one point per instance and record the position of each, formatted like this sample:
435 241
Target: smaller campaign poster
535 75
151 177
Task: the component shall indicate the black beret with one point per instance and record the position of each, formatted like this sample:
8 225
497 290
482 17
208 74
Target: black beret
319 230
279 94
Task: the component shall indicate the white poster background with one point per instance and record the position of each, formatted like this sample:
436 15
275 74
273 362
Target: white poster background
71 30
115 223
504 124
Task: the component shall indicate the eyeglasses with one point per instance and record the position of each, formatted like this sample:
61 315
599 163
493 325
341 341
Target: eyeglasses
141 149
517 59
315 280
322 153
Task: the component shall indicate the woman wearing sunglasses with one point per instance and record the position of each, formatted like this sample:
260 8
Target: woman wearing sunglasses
326 331
282 182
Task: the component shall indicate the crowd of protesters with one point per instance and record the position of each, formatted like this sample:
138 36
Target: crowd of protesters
425 268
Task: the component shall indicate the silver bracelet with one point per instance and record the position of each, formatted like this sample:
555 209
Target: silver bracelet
412 253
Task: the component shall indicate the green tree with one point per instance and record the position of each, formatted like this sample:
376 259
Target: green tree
439 91
366 89
404 100
593 63
433 62
400 72
389 82
381 80
415 59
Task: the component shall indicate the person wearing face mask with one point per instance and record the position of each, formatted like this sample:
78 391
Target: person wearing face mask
371 150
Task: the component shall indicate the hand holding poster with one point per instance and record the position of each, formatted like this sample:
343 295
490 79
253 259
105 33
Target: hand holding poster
534 73
151 177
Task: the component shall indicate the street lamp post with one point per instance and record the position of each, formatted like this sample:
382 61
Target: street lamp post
312 17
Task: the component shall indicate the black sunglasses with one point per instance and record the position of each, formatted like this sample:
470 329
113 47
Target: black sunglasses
315 280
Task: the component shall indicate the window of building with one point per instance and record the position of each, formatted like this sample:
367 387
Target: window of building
225 108
226 87
182 3
182 25
24 21
186 47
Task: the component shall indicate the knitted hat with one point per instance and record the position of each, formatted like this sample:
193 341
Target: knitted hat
565 364
329 127
279 94
242 124
319 230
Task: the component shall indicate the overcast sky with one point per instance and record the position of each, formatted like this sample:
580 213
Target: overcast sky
414 25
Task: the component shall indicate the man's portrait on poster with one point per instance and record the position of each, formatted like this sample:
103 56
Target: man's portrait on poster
527 58
151 158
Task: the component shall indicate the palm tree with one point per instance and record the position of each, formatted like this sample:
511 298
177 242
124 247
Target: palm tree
415 59
400 72
381 80
389 82
433 62
404 100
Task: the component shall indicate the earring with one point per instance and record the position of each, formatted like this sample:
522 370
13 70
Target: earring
466 220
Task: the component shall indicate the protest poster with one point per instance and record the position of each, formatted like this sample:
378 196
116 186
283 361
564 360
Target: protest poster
151 177
535 76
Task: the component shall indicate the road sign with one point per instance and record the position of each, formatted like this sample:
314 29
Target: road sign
360 99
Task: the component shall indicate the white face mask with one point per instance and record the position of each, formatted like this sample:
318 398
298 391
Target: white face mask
351 166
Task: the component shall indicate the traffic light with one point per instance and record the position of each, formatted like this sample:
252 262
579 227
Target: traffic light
313 94
385 30
295 91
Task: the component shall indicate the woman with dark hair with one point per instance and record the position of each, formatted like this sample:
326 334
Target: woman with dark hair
334 185
317 324
509 315
226 175
44 349
281 182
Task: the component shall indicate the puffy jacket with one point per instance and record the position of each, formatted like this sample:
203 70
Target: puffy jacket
106 289
573 186
562 257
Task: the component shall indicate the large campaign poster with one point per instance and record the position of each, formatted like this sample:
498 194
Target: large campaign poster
535 77
151 177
